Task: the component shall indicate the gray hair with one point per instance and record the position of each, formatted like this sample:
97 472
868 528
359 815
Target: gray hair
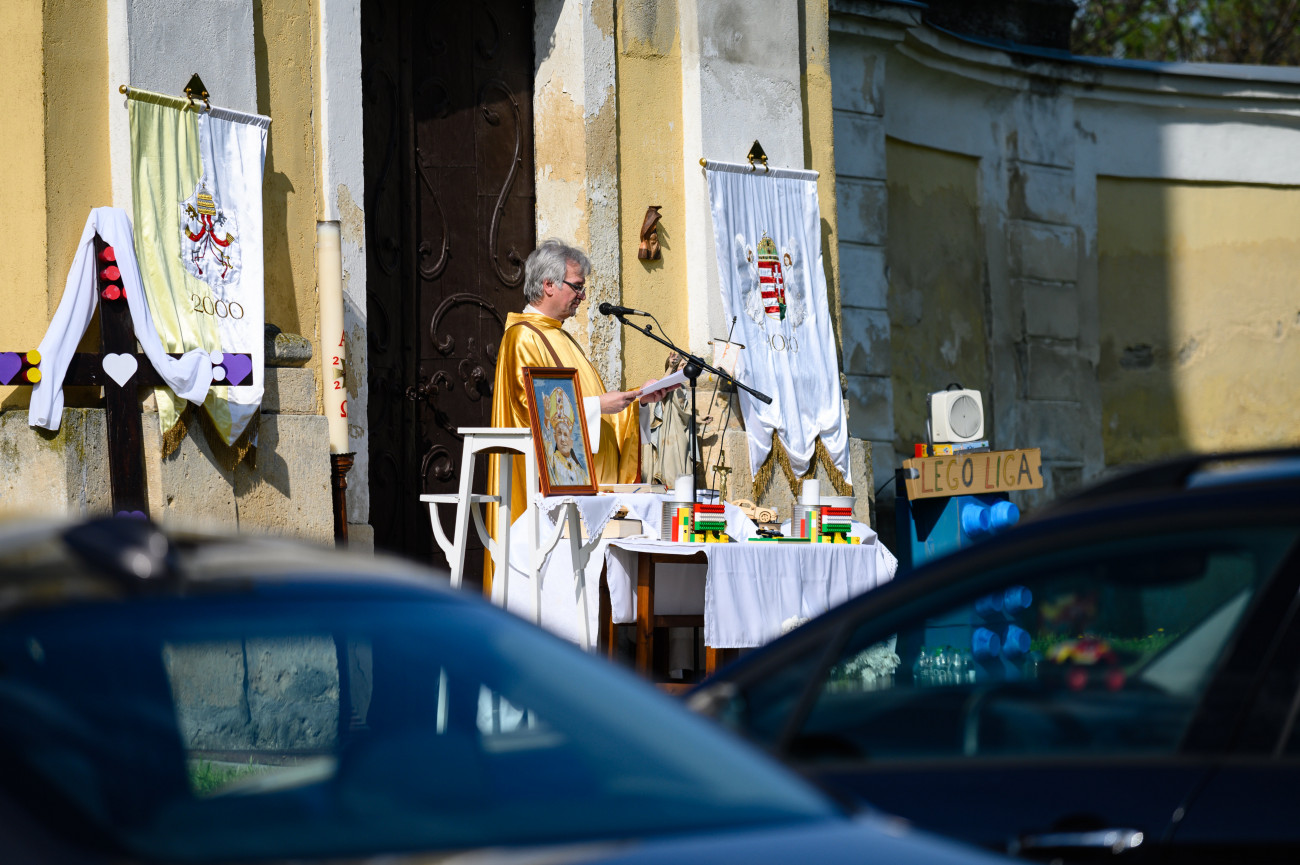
550 261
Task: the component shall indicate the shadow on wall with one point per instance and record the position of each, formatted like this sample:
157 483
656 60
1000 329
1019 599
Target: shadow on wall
1200 325
937 290
1139 355
277 188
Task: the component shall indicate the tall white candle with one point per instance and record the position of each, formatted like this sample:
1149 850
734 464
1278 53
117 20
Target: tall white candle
812 492
329 269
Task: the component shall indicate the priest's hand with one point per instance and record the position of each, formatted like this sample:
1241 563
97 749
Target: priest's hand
616 400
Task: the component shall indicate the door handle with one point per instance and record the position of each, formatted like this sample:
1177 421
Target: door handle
1117 840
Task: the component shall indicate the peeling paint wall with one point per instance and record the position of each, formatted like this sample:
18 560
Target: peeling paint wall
936 274
743 68
575 150
340 154
1200 317
1124 230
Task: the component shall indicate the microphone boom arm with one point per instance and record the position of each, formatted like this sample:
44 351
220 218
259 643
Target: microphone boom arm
690 358
694 366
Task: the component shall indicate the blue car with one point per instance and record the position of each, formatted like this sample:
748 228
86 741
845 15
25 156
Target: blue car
1118 676
170 699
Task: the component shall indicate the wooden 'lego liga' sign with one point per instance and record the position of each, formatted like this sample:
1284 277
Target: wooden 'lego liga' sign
973 474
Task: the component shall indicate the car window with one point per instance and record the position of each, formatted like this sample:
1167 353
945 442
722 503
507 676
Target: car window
212 728
1103 650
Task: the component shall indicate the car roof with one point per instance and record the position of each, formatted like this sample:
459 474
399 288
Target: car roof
1251 469
51 561
1084 519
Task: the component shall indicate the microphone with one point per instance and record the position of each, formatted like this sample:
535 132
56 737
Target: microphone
611 309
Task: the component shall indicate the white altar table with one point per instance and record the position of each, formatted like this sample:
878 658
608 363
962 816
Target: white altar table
750 590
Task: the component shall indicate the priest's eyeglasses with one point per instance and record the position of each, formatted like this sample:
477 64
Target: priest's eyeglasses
579 287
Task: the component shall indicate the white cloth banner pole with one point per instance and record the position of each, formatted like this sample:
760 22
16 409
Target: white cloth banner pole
233 147
767 228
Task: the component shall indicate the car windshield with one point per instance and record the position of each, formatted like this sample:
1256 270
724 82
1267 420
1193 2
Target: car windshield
1103 650
282 724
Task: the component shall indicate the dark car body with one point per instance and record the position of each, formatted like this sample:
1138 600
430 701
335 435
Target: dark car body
184 700
1118 676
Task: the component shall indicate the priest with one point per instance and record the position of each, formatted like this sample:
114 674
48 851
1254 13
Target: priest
555 284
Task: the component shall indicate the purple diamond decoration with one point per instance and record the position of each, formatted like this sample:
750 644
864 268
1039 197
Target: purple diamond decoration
238 367
10 363
131 515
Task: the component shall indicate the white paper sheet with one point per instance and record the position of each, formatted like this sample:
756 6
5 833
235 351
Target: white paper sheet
670 380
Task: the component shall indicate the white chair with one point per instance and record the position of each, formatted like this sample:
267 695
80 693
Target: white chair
504 442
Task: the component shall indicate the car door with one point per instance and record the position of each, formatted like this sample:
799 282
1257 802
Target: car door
1065 705
1245 810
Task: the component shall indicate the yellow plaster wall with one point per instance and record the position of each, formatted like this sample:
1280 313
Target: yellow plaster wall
77 171
284 41
56 165
1199 317
936 294
650 148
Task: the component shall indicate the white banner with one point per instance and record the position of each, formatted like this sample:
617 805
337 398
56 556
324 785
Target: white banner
767 226
197 192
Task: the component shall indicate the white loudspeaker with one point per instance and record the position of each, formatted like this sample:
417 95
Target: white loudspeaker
956 416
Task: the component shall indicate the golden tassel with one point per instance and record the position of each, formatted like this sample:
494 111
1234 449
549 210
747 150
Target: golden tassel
778 456
172 438
823 456
227 456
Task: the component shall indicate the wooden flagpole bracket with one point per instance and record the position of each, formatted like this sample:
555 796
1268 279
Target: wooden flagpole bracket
196 90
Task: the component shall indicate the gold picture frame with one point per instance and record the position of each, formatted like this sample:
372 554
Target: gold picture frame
556 417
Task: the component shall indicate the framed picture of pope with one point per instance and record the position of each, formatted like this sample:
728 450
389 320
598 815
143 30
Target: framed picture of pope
559 432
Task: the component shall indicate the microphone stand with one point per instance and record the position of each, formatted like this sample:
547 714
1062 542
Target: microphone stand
694 366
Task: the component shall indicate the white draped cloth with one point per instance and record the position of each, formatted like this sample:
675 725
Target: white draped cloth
189 376
767 228
750 591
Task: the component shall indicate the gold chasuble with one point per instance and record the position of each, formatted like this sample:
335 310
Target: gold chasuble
619 459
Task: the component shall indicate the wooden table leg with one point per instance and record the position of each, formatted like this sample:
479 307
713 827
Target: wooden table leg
607 633
715 658
645 614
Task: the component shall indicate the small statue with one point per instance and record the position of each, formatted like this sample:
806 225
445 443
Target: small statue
649 249
723 469
669 431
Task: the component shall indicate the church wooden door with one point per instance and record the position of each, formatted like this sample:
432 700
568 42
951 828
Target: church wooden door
449 219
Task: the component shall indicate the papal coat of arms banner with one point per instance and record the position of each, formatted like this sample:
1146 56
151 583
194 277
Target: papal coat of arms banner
197 193
767 227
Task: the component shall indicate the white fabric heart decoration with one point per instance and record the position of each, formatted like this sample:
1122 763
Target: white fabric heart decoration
120 367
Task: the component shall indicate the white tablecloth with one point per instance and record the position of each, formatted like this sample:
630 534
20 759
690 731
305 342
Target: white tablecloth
750 591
